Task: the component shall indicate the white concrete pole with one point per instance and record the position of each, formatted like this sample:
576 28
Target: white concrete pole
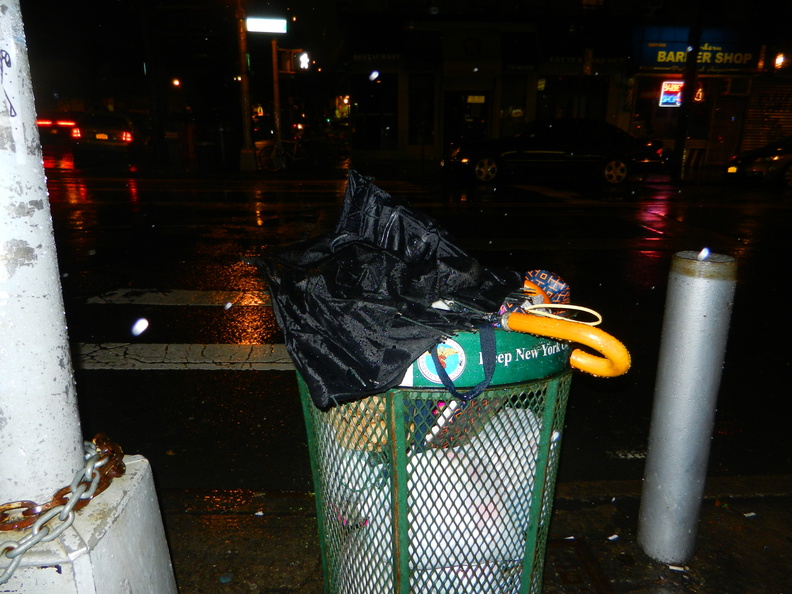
117 542
695 328
41 445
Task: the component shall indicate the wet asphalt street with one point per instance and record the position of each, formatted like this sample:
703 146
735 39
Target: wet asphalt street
207 394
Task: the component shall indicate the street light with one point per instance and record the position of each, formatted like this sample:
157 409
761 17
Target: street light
274 26
247 161
263 25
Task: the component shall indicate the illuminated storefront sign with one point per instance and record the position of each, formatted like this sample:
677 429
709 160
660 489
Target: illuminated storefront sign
665 49
671 93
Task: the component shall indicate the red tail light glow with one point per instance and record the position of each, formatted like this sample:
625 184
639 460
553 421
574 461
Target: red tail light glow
47 123
126 136
75 133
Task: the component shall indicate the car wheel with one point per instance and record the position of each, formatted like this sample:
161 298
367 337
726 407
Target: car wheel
486 170
271 158
615 171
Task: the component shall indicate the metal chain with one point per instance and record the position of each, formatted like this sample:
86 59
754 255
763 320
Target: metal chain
103 462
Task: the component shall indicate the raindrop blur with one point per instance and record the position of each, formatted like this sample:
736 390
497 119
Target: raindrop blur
139 327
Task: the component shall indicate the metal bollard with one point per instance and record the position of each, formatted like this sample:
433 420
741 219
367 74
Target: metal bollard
695 327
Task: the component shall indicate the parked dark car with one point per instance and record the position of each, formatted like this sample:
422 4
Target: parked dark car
98 135
772 163
559 147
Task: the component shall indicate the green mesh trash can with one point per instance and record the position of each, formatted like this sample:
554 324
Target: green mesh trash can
421 492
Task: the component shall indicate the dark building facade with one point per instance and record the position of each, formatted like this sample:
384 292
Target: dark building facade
418 81
407 79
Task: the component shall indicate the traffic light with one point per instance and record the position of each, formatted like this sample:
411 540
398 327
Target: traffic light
304 61
293 60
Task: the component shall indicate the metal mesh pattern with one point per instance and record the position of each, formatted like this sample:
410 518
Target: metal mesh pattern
420 493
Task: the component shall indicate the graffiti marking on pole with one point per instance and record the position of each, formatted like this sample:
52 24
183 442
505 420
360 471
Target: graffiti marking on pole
5 62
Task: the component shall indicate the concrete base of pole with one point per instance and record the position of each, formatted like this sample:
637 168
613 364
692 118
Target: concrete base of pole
115 546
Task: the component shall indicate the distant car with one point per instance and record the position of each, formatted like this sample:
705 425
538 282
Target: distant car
772 163
56 127
110 134
560 147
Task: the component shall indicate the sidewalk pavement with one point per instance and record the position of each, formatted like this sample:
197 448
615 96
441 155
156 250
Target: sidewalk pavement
237 541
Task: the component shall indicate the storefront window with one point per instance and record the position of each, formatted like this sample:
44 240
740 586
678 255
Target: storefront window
656 121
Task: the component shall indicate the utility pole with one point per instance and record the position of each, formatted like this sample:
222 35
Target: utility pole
117 540
690 79
276 107
40 438
247 159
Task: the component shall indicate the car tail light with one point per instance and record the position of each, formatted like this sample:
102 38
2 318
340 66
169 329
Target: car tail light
63 123
126 136
75 133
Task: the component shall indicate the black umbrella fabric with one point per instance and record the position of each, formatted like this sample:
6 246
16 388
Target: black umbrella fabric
356 305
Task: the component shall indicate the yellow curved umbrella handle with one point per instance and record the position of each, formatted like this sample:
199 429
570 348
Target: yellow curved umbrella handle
614 362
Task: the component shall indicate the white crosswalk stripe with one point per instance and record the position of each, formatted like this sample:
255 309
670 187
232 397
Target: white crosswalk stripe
126 356
141 356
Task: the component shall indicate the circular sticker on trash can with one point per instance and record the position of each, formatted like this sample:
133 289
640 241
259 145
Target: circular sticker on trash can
452 358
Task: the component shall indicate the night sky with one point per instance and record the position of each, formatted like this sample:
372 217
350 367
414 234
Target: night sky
113 47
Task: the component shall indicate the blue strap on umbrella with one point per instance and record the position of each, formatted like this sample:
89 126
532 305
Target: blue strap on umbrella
488 353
